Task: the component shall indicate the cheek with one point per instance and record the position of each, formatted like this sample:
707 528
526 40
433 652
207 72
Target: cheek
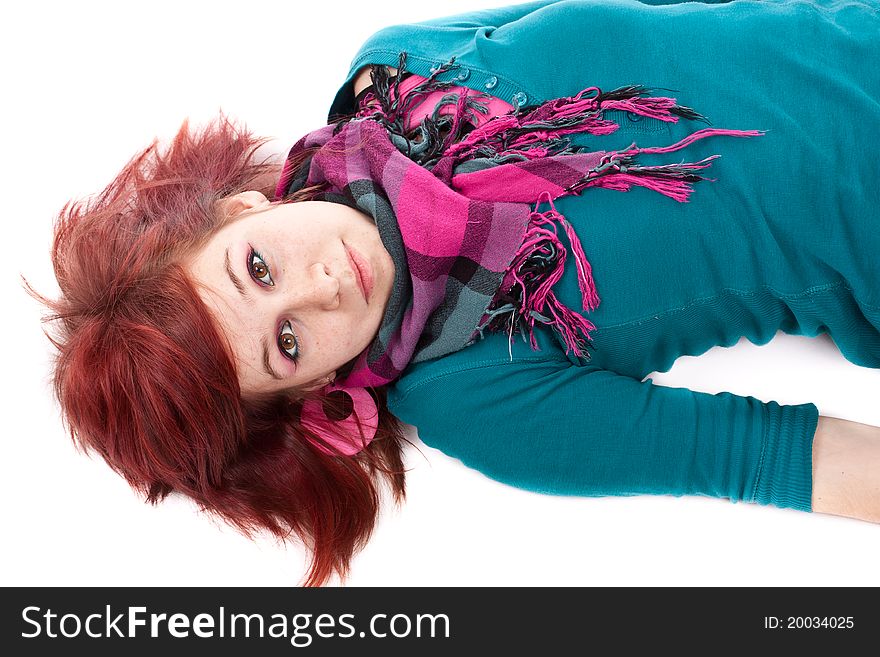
338 341
334 335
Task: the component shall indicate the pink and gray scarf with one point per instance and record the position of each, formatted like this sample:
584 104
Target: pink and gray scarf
455 211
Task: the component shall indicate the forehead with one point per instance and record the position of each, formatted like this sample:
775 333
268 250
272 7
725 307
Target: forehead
230 313
207 266
275 219
218 293
209 258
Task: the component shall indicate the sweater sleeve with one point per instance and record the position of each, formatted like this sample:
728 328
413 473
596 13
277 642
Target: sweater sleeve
520 28
494 16
551 427
382 46
498 16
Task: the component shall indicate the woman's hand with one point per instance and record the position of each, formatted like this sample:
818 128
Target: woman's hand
846 469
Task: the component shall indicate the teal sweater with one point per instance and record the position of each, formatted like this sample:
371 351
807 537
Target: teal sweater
786 239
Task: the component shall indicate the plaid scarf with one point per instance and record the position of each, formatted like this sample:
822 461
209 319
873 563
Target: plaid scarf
454 209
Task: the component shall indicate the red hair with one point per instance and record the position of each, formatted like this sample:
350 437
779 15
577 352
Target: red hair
145 378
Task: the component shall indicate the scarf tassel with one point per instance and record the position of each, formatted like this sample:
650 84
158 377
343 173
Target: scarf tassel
392 110
525 295
619 171
536 131
579 113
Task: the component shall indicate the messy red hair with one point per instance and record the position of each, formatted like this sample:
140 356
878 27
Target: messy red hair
145 378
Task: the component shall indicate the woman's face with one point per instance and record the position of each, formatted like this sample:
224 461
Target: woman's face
282 285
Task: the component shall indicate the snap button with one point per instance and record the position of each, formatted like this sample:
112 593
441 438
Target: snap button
464 74
491 82
519 99
635 118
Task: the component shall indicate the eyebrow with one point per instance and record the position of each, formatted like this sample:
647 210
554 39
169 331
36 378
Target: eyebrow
236 281
266 365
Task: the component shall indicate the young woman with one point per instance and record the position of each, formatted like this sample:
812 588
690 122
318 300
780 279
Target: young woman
508 221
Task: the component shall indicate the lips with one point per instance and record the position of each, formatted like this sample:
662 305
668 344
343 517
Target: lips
362 272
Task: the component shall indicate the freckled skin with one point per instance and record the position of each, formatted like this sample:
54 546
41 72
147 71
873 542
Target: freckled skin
303 250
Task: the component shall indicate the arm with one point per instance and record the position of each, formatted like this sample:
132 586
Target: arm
493 17
551 427
498 16
517 28
846 469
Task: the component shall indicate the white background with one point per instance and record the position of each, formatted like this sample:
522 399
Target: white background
85 86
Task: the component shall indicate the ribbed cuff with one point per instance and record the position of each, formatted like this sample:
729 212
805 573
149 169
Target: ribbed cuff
786 476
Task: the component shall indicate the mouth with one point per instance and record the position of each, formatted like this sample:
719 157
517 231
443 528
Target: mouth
361 270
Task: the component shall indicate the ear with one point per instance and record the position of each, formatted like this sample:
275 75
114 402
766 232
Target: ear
238 203
322 382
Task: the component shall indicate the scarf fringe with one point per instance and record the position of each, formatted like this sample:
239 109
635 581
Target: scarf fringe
543 125
392 112
619 171
525 295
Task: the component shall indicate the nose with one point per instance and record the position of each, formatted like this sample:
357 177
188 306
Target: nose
318 290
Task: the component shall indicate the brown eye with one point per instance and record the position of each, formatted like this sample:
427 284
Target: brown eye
259 269
288 343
